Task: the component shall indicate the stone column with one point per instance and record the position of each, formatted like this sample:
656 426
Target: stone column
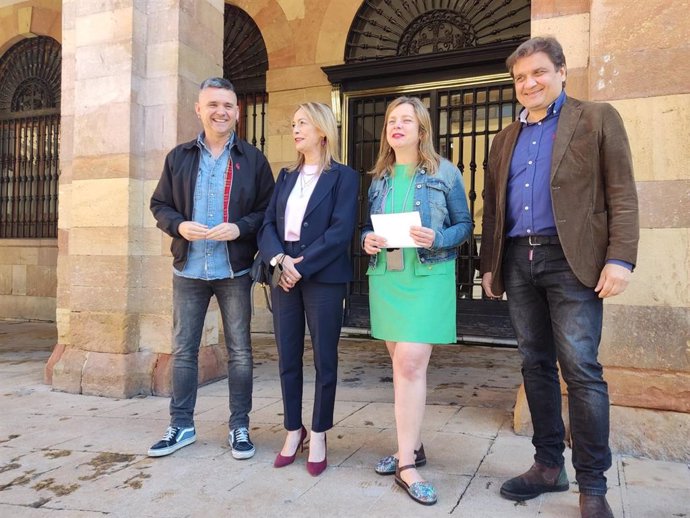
130 78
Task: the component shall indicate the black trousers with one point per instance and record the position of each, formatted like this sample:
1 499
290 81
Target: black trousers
320 306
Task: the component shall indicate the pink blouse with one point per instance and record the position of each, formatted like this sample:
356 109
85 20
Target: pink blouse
298 199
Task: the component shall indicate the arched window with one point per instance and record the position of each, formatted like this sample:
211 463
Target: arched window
29 138
245 62
389 28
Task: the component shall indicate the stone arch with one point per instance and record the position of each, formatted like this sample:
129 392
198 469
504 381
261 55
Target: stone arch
333 34
245 59
275 29
31 71
29 21
394 28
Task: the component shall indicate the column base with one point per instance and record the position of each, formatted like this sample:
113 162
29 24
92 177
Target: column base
70 369
653 433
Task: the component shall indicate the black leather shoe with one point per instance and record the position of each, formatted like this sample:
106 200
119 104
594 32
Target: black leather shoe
594 506
535 481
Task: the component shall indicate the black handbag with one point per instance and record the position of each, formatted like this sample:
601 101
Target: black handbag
265 275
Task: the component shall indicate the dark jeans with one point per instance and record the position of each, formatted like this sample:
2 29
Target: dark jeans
558 318
322 305
191 298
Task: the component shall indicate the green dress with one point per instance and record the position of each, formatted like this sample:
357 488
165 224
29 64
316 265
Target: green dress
416 304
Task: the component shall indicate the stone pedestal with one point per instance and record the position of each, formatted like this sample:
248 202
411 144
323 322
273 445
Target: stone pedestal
130 79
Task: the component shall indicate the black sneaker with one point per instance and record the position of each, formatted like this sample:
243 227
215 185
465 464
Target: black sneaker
175 438
242 446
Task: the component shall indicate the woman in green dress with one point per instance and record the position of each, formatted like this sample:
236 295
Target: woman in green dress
412 290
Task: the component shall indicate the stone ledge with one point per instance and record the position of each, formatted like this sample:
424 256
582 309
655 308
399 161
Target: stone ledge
212 367
657 434
124 375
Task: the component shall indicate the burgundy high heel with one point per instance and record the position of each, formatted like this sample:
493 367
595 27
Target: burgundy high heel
282 461
316 468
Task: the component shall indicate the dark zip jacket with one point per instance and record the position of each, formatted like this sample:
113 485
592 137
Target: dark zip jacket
252 186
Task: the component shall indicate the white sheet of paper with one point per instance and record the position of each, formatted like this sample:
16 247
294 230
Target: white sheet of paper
396 228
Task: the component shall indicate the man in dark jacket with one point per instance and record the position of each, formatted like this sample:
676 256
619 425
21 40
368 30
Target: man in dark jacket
211 199
560 233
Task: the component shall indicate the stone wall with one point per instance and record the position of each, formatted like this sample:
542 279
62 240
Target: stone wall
27 279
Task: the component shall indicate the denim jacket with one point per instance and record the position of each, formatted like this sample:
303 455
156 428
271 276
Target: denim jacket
441 201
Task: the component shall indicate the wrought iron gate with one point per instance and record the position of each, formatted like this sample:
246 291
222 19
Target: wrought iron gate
465 118
30 138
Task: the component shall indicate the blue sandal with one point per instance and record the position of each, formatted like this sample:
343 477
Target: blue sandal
421 492
386 465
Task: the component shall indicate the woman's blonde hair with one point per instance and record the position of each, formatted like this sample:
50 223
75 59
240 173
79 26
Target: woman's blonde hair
428 160
321 116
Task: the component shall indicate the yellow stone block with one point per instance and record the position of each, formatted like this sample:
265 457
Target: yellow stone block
101 203
160 129
104 331
662 274
293 9
6 279
105 60
24 16
103 129
41 281
99 93
27 308
62 319
197 66
99 241
19 279
149 186
330 47
64 205
103 27
295 78
573 34
162 59
659 132
155 332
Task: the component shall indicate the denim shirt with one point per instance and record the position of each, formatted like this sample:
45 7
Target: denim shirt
208 259
441 201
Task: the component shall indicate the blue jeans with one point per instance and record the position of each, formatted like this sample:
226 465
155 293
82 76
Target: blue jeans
191 298
557 318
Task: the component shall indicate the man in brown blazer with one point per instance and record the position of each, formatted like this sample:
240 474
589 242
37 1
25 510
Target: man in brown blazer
560 233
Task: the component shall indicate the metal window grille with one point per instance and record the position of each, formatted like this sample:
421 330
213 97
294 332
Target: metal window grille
30 139
245 62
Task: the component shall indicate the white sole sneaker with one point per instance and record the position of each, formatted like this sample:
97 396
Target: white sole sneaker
240 455
162 452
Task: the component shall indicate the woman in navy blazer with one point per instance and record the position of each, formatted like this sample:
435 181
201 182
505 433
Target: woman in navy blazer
307 232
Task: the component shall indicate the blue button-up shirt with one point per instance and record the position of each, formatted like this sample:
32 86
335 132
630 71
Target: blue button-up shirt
528 209
528 203
208 259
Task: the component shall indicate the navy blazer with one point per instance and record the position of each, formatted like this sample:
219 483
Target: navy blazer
327 228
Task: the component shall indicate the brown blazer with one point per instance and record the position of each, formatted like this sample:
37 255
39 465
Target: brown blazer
592 188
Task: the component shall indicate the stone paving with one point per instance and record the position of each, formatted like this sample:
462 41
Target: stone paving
66 455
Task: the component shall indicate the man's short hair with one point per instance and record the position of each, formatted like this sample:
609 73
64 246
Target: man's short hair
548 45
217 82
